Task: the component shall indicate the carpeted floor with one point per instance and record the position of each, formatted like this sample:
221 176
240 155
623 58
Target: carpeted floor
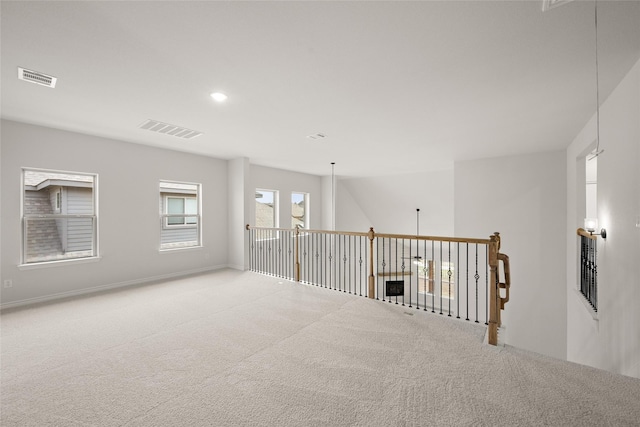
239 349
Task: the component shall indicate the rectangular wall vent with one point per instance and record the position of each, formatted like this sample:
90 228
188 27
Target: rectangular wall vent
550 4
173 130
36 77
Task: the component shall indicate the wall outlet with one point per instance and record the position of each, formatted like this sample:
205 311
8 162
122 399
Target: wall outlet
8 283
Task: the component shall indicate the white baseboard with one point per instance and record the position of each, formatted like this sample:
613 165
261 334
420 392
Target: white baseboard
94 289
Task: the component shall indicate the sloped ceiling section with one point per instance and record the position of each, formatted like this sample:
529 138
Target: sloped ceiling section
395 87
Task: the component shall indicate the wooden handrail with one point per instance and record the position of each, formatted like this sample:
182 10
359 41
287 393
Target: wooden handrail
496 302
250 227
306 230
381 235
435 238
584 233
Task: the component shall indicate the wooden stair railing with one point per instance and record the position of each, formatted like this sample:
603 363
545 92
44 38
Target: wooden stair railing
289 253
497 302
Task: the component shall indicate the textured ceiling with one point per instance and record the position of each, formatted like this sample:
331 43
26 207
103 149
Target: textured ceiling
395 86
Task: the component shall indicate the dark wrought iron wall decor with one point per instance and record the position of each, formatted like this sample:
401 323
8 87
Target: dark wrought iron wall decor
589 267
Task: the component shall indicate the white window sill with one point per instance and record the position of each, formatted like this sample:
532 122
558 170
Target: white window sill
179 249
179 226
59 263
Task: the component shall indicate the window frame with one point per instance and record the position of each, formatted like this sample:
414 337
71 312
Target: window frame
57 215
164 215
184 224
587 248
276 207
58 207
443 278
305 199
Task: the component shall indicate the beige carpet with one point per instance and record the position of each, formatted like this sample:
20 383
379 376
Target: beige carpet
240 349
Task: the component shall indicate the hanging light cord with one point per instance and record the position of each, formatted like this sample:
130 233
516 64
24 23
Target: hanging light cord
597 150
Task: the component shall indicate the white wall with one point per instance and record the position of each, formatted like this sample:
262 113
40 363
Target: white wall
329 190
612 340
241 196
349 214
523 198
129 176
287 182
389 203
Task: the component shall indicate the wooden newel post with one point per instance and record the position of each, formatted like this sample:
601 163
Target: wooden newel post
372 280
494 293
297 251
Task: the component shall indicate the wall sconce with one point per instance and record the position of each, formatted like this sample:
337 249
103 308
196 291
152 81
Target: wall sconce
591 224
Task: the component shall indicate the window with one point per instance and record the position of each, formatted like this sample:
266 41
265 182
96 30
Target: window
180 212
299 210
181 205
59 216
444 285
448 279
267 212
591 186
58 200
589 246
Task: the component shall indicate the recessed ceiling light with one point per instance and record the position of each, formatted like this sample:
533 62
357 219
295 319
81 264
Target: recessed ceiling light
219 96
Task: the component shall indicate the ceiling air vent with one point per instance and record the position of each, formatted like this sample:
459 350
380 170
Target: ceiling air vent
317 136
36 77
173 130
550 4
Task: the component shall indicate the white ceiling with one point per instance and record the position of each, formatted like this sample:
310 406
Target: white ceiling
395 86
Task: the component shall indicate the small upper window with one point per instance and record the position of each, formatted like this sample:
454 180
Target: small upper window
267 212
59 200
181 205
299 210
180 212
59 216
266 208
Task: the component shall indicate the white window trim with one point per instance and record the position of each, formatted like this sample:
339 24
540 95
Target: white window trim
306 223
166 224
24 265
276 212
445 267
164 218
58 207
59 263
